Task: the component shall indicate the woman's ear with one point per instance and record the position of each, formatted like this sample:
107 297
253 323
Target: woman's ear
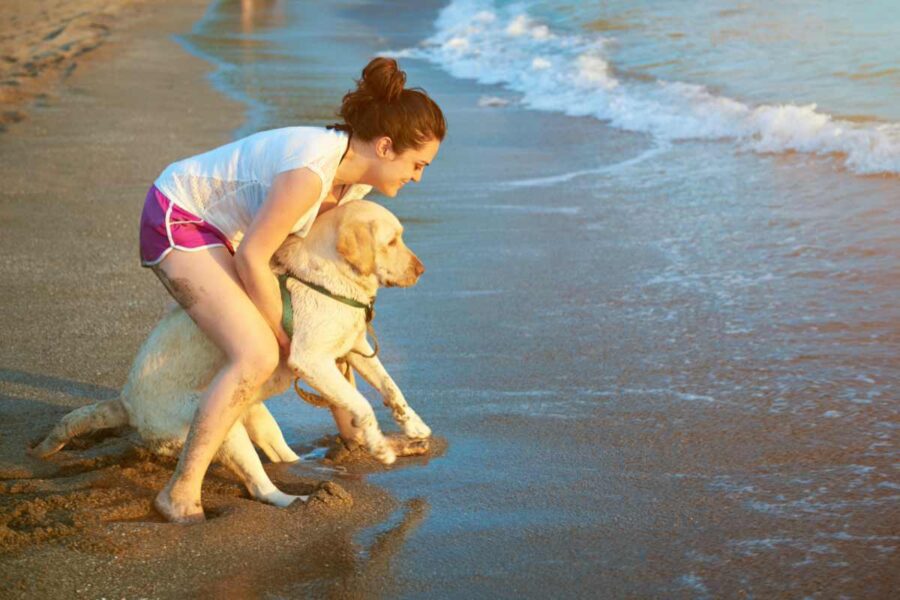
384 148
356 243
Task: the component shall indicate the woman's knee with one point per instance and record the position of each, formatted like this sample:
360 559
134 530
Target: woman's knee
257 361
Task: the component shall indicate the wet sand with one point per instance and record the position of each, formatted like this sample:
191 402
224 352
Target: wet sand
76 306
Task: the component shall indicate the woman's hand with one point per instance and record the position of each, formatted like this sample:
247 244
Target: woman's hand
284 342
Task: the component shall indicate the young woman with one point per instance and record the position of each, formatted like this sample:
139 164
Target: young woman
212 222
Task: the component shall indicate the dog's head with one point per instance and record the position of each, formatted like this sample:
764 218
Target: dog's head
370 239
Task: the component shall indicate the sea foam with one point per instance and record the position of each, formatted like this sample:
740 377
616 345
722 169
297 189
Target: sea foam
570 73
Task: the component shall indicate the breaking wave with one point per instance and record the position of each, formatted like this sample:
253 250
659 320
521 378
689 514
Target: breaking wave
570 73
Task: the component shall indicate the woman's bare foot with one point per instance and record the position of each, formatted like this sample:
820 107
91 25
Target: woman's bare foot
176 512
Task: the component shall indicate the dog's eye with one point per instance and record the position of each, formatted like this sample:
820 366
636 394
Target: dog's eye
393 242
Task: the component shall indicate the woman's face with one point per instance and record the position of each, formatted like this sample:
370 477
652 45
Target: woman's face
394 170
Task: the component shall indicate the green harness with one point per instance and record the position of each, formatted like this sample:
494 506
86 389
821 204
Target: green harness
287 309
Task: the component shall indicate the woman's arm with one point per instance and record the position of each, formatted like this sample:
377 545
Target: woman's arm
291 195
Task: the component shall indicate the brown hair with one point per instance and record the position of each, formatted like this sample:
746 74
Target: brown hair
381 106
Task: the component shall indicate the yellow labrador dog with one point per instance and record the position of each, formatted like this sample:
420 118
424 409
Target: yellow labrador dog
350 251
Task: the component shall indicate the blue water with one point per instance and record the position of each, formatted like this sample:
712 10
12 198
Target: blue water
809 77
659 326
842 56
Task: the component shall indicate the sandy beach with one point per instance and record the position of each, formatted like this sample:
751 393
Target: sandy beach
75 308
656 366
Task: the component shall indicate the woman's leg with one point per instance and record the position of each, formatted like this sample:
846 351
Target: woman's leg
342 418
344 421
207 286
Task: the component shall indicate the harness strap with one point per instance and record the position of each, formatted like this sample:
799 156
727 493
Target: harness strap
287 309
369 308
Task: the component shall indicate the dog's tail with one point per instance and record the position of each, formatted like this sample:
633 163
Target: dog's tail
87 419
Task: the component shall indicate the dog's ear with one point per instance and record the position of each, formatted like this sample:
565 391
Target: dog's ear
356 243
285 255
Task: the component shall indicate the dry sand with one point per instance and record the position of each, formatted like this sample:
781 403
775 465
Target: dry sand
76 306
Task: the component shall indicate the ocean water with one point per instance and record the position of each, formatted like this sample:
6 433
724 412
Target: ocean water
805 76
660 324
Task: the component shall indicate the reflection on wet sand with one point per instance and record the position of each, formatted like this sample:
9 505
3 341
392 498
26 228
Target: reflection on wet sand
260 14
343 566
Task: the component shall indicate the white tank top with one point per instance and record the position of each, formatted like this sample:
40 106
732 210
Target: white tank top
227 186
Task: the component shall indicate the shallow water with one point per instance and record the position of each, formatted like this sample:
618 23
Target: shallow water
665 363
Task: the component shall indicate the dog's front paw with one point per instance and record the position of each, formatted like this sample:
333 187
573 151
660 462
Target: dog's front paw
382 451
373 439
379 447
415 427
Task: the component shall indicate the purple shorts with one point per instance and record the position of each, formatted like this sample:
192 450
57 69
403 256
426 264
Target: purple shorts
165 226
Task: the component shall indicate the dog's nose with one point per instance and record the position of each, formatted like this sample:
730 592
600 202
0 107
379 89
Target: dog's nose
418 267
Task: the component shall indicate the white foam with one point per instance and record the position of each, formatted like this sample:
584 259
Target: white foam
668 392
492 101
570 74
460 293
694 582
552 180
523 208
540 63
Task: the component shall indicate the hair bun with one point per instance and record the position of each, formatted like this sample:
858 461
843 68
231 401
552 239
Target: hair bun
383 79
381 106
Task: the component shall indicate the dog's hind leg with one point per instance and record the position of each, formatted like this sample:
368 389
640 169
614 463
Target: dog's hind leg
240 457
266 434
87 419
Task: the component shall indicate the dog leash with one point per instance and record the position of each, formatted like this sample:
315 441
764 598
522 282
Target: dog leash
287 323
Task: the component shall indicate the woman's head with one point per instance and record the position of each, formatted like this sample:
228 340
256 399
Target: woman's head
404 126
381 107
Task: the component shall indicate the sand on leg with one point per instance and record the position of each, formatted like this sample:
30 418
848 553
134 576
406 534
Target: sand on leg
207 286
